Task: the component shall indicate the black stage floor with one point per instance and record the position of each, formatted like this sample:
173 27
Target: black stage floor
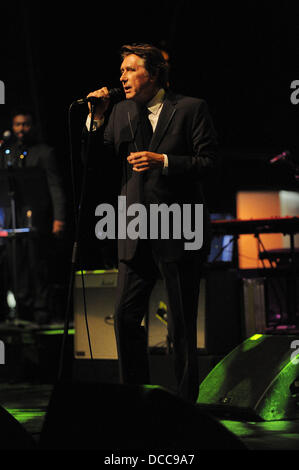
27 403
25 393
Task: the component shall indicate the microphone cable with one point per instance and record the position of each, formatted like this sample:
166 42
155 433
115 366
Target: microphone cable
75 213
77 220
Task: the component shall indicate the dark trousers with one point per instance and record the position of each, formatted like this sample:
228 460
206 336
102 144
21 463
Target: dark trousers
136 281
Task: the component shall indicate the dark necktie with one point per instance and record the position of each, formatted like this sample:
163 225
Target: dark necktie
147 130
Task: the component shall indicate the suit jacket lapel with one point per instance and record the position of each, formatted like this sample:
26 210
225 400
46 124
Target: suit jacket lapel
164 120
133 124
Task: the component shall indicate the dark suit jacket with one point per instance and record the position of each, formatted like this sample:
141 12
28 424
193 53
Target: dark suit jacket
185 133
39 190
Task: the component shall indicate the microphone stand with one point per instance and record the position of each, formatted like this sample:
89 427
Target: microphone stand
13 242
78 218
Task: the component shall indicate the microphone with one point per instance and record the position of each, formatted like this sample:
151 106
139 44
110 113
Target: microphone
281 156
5 137
115 95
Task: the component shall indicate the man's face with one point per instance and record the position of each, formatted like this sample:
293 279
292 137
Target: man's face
138 84
21 125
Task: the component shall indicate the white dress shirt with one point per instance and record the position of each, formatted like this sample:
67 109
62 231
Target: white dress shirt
154 107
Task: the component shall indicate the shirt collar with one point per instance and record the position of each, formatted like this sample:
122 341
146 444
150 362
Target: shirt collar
156 102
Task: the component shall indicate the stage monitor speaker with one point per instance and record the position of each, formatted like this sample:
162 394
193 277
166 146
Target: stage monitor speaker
258 380
117 417
12 434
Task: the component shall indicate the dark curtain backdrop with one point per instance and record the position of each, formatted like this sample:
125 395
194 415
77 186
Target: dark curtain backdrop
240 58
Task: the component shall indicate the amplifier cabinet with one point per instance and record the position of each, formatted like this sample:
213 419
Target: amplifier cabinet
99 296
217 328
95 289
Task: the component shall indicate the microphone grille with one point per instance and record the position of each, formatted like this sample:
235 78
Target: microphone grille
6 135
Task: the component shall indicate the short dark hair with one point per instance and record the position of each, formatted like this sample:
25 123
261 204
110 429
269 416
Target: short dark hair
22 111
154 61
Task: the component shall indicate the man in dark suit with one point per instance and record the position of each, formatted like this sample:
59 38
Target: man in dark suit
46 214
166 146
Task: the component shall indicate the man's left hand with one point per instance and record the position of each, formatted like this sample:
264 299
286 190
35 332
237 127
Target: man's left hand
143 161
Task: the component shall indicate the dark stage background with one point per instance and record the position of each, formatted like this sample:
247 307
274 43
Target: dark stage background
240 58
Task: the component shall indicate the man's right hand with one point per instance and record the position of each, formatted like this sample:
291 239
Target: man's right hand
102 105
